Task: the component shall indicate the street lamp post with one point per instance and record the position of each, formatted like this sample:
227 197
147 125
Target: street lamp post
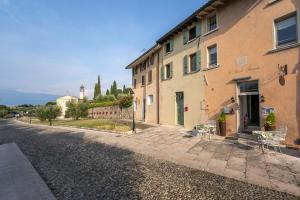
133 111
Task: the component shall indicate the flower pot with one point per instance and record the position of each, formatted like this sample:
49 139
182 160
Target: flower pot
222 127
270 128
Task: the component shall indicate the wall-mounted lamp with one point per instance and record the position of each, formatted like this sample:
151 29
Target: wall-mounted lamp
232 100
262 99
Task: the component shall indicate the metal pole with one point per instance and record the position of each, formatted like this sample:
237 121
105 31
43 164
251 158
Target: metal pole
133 118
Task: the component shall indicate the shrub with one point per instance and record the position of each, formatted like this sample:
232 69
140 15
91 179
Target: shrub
222 117
99 98
125 101
49 113
270 120
77 110
103 104
109 97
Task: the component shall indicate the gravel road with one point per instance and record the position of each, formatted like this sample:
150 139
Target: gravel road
75 168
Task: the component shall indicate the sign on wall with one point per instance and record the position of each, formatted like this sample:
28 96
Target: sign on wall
267 110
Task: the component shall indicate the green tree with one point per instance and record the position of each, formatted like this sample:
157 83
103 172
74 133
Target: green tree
99 86
77 110
3 112
95 91
125 100
48 113
109 97
107 92
114 89
50 103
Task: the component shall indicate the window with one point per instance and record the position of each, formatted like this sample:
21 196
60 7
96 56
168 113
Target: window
143 80
134 83
192 33
212 23
169 46
136 69
152 60
213 55
286 30
150 100
150 76
168 71
251 86
193 62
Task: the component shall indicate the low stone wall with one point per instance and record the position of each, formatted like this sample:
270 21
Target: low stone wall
110 112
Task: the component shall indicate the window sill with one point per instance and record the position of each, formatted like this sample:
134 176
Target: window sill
192 40
284 47
210 32
190 73
211 67
168 53
167 79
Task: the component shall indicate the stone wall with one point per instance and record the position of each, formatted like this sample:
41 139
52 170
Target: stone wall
110 112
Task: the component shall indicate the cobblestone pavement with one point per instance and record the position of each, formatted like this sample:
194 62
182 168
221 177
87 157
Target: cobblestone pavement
84 164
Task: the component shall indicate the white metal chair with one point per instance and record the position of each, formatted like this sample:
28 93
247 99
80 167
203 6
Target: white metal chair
278 137
209 128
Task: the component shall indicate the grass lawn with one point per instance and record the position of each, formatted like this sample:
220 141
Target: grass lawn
85 123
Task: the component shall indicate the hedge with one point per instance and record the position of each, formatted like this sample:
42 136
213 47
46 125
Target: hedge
103 104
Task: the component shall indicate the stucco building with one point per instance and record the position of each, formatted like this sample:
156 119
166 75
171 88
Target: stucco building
62 103
241 57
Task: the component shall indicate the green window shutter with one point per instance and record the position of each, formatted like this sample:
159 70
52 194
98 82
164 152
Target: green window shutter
185 65
198 29
171 45
198 60
162 73
185 36
171 70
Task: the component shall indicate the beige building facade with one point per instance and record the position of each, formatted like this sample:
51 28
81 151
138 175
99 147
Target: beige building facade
232 56
62 103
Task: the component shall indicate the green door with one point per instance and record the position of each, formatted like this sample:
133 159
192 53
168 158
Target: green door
180 108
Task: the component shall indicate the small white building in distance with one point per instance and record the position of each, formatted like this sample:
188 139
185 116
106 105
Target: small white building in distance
62 103
81 92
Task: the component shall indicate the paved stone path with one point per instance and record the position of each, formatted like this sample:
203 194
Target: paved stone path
18 179
240 159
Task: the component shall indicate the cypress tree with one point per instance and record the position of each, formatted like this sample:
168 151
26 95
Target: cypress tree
115 89
107 92
95 91
99 85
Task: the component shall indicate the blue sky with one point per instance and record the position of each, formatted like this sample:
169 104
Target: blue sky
54 46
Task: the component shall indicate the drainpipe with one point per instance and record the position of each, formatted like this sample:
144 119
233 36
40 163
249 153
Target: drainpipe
157 87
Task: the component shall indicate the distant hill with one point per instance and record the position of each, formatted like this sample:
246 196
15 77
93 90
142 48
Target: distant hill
13 98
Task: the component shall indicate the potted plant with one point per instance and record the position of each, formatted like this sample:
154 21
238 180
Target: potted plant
222 124
270 122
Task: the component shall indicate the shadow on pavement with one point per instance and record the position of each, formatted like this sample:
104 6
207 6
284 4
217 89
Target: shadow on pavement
74 168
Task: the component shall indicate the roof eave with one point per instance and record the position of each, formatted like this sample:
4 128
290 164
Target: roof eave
146 54
210 6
